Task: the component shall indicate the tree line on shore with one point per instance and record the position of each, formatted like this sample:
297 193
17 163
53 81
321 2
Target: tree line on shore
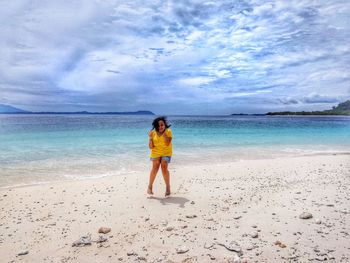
342 109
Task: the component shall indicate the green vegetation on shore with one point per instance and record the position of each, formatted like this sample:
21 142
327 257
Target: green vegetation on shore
342 109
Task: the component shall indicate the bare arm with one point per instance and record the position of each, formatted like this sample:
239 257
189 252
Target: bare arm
167 139
150 143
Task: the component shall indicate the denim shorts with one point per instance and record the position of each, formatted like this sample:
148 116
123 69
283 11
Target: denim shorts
166 158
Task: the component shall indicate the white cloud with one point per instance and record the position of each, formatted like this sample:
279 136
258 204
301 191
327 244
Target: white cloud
195 81
193 52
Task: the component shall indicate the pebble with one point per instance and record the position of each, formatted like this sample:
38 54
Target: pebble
191 216
318 221
169 228
250 247
104 230
280 244
181 250
305 215
254 234
22 253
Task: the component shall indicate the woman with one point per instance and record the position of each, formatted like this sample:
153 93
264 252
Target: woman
161 151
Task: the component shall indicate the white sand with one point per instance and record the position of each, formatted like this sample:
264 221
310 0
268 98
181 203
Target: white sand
230 201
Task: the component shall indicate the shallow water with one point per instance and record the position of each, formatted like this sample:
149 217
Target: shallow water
38 148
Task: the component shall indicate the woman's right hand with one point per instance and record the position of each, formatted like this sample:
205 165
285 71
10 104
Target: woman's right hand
150 134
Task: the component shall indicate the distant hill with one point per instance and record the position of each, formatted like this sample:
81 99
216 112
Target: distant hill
9 109
342 109
96 113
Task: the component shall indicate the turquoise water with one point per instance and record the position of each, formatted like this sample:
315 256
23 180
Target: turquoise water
36 148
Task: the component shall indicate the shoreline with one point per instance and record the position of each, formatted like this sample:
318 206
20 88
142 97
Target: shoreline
295 153
249 203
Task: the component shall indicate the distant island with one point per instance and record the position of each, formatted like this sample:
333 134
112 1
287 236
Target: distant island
7 109
342 109
247 114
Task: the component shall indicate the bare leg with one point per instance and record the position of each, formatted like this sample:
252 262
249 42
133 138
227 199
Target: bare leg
152 176
166 176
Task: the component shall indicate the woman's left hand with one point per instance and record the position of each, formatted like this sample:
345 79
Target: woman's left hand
166 137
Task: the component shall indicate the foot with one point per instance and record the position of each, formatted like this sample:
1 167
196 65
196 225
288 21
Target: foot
149 190
167 193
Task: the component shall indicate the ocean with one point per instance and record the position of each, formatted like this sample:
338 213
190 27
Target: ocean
41 148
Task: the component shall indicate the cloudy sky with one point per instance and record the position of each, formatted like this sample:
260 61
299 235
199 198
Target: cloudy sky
174 57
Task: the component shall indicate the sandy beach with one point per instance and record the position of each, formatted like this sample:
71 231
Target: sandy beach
243 211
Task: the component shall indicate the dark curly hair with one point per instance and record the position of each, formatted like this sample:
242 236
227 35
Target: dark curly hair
155 123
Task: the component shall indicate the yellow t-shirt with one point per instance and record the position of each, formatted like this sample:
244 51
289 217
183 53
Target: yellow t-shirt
160 148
